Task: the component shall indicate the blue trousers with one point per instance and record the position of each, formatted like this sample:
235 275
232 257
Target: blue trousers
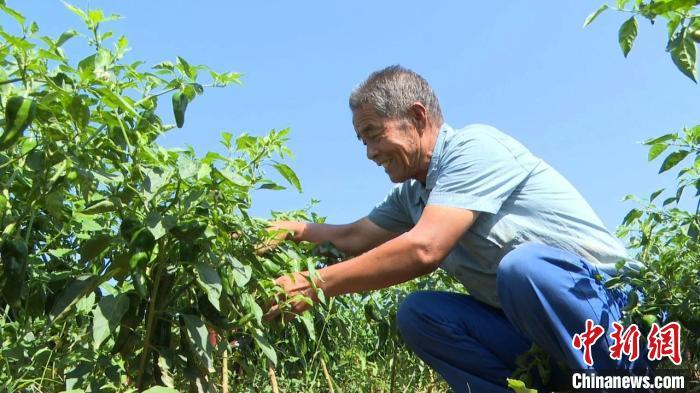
546 295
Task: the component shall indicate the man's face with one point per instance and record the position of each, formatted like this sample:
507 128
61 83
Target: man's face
393 144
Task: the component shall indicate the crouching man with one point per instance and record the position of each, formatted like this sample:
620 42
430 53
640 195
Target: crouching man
530 251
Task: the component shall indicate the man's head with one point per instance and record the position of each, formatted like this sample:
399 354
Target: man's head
397 115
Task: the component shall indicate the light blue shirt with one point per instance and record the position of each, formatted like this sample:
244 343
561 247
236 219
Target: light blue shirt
520 199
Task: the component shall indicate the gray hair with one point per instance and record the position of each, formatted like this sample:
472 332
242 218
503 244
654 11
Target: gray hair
391 92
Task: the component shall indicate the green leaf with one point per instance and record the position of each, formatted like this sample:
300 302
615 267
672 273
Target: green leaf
669 201
519 386
198 335
116 101
234 177
92 248
673 159
674 21
655 194
108 177
65 36
613 281
79 111
204 172
96 16
241 272
270 185
656 149
594 15
662 138
14 14
226 136
160 389
60 252
209 279
265 346
253 307
154 180
187 167
627 35
288 175
77 11
80 286
683 54
158 225
661 7
165 65
631 216
106 316
184 67
308 321
87 65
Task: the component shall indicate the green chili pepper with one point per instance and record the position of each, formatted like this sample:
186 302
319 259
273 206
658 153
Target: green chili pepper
14 257
138 260
180 102
19 113
102 206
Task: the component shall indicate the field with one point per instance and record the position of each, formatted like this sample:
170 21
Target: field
127 266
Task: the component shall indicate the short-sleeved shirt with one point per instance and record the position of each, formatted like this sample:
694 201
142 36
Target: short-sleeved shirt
520 199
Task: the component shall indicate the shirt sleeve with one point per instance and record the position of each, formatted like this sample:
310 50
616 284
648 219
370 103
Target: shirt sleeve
479 173
391 213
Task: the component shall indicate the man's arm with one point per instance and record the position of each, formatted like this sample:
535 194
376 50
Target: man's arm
403 258
410 255
352 239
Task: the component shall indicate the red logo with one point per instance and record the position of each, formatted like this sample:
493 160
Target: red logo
586 339
662 341
665 342
627 342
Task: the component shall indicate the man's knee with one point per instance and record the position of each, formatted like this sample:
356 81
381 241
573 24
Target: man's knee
519 266
411 314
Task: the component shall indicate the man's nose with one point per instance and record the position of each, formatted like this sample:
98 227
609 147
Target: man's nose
371 152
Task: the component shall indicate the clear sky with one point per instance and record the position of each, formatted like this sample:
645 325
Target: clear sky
526 67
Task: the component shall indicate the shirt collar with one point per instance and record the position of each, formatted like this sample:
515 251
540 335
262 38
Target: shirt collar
431 177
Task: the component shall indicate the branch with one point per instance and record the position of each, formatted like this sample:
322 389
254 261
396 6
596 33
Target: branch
11 81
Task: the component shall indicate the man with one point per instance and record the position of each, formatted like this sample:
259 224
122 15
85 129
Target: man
529 250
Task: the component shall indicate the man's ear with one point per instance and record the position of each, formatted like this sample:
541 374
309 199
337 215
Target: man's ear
419 117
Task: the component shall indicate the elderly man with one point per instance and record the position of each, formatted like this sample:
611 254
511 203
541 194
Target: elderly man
529 250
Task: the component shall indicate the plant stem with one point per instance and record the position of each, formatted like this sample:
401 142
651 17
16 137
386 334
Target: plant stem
43 373
148 97
151 316
327 375
123 130
393 374
224 372
273 378
10 81
432 381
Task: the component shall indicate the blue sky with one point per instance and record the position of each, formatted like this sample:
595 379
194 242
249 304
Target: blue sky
528 68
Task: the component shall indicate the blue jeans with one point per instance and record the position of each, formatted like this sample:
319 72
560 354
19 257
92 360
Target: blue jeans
546 295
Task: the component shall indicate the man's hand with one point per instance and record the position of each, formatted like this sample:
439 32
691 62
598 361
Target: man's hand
298 291
281 231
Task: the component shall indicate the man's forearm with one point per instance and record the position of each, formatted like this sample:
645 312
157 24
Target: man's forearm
339 235
396 261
